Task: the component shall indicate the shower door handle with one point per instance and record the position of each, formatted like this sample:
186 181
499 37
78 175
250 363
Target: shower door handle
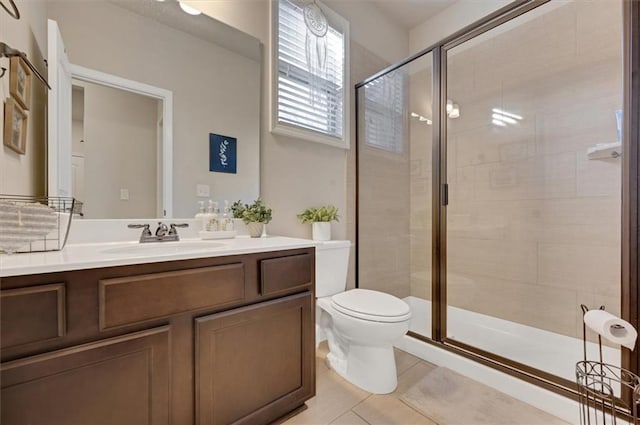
445 194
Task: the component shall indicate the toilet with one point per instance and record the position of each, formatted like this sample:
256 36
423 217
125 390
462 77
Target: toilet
360 325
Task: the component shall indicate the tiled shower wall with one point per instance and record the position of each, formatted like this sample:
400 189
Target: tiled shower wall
364 63
384 246
533 225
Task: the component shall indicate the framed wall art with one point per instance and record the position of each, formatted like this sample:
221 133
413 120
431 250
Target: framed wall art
223 153
20 81
15 126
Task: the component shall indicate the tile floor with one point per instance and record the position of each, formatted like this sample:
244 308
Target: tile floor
338 402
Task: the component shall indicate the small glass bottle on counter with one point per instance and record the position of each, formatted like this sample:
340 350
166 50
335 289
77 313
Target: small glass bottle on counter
226 224
201 216
214 222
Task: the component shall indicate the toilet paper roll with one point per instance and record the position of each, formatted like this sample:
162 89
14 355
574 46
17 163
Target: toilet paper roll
611 328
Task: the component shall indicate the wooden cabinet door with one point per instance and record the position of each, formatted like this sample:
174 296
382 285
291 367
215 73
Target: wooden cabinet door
117 381
255 364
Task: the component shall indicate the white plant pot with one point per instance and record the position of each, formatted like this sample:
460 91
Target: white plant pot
255 229
240 227
321 231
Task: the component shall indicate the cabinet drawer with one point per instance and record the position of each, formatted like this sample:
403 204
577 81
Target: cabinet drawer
128 300
285 274
32 314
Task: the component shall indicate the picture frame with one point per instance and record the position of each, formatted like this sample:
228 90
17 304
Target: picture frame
15 126
20 82
223 153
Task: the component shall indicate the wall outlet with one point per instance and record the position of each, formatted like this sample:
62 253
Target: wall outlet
124 194
202 190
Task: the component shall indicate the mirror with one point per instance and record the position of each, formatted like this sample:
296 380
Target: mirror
213 73
116 132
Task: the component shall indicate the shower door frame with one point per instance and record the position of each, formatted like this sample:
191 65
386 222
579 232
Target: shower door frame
630 295
631 177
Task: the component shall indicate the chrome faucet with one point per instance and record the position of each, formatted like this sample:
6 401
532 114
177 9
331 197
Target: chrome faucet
162 229
163 233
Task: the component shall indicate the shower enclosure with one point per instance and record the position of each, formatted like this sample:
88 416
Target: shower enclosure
489 197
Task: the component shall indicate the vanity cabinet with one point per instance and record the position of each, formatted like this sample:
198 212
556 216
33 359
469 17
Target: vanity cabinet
221 340
121 380
250 357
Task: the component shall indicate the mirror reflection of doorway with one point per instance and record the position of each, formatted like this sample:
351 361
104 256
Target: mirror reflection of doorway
114 134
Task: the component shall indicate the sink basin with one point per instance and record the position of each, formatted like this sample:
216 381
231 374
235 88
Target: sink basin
164 248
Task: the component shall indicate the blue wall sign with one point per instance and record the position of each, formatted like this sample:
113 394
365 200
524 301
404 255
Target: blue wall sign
223 153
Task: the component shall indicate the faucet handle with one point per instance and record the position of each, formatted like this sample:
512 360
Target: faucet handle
145 230
145 227
173 231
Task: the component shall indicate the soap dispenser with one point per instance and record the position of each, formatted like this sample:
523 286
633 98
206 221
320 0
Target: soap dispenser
214 223
226 223
201 216
207 217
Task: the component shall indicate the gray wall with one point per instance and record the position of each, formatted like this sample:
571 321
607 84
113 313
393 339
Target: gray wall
25 174
296 174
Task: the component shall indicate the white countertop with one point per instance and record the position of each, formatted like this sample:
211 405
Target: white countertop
94 255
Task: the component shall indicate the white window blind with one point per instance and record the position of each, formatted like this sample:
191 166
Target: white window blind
385 112
321 109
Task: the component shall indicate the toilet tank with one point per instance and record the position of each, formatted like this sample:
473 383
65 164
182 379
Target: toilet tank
332 263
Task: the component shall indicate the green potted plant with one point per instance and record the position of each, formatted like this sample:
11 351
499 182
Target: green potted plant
320 219
255 216
237 209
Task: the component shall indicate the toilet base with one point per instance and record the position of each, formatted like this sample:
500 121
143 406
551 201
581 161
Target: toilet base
359 364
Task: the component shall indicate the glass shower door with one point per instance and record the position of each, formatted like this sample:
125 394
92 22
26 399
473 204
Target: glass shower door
395 185
533 220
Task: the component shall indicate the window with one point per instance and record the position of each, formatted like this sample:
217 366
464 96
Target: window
385 118
309 102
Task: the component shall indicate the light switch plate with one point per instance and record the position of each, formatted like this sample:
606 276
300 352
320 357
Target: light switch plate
124 194
202 190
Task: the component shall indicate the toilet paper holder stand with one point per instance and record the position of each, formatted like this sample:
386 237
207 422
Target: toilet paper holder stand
606 392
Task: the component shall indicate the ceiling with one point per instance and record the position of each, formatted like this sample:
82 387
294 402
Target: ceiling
409 13
201 26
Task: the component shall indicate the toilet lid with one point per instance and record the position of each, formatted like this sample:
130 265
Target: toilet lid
371 305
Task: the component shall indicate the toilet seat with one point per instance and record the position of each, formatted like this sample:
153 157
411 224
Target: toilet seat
371 305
